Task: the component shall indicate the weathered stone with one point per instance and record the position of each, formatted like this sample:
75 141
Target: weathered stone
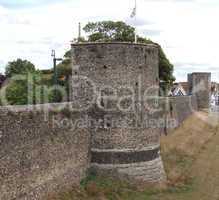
200 86
120 69
38 157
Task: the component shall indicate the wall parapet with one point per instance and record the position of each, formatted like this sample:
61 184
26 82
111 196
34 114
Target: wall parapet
114 43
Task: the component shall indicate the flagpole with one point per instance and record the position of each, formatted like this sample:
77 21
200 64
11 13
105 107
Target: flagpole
136 39
79 32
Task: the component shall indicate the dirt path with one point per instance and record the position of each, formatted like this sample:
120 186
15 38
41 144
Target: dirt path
206 171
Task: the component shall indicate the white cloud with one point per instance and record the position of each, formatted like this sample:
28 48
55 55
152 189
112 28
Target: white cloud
186 29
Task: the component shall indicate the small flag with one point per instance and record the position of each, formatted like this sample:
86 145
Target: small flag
133 13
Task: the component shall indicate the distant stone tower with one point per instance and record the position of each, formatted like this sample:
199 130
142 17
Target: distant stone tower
125 136
200 86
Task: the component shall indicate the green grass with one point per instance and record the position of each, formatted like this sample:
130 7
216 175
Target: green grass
183 182
177 165
178 168
112 189
100 188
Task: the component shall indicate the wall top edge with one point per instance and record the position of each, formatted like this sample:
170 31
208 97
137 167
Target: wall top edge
202 73
114 43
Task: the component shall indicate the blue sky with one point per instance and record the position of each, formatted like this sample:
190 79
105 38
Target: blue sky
187 29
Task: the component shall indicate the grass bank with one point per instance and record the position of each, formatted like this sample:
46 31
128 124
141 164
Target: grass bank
182 152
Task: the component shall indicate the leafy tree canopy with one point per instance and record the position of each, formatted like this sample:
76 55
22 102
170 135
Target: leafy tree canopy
24 90
109 31
17 89
19 66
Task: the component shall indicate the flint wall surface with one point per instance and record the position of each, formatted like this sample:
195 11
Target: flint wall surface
125 145
40 156
200 84
178 109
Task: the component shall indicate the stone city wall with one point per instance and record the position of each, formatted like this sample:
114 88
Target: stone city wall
47 147
38 155
178 109
200 86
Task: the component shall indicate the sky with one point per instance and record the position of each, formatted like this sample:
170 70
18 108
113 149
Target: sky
186 29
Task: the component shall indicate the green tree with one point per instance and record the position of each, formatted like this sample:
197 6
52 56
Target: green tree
24 89
165 72
23 83
64 71
16 93
109 31
19 66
